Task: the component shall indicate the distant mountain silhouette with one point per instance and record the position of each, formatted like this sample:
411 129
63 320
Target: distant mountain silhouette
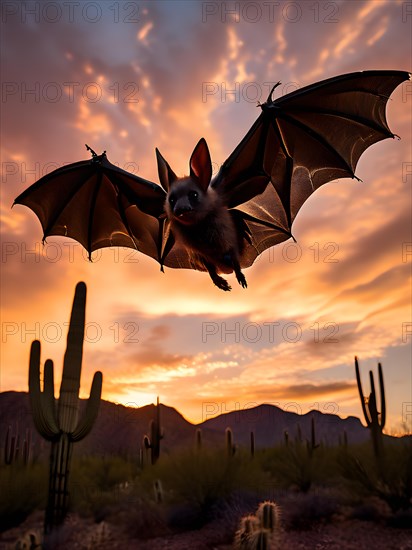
120 429
269 423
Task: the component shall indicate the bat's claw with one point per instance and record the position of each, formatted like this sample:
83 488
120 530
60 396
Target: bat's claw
221 283
241 279
270 99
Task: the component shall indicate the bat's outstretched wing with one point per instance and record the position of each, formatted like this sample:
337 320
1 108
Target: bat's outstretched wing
299 142
99 205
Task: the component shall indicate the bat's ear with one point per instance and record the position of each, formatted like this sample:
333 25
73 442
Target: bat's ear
166 174
200 164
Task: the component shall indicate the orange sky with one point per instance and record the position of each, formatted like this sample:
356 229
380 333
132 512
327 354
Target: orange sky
163 74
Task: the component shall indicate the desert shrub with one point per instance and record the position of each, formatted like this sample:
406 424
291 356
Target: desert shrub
304 511
197 485
138 515
371 509
295 467
97 484
390 478
23 490
102 472
402 519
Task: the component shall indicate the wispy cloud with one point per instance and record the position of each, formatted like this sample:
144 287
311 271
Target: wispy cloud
129 87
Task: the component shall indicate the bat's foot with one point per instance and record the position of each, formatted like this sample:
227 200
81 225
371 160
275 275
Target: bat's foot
241 279
221 283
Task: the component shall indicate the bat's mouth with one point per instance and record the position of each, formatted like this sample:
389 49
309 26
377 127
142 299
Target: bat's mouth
187 217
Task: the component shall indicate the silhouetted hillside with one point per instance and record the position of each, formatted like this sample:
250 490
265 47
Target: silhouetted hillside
269 423
120 429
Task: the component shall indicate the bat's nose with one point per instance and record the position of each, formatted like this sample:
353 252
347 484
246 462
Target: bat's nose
182 210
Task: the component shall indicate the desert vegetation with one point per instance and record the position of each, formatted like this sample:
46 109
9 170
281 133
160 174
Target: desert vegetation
223 495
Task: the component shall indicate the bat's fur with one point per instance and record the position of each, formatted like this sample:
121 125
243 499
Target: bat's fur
201 221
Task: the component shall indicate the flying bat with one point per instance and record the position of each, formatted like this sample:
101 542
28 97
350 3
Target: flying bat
220 225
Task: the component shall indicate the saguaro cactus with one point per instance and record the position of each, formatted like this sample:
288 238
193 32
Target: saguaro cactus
156 435
312 445
12 449
59 423
374 420
262 531
10 446
230 447
198 439
268 514
27 448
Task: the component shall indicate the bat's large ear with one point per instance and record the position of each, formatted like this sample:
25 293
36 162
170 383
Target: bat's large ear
166 174
201 164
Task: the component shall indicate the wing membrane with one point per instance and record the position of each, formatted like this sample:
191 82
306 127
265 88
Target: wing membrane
298 143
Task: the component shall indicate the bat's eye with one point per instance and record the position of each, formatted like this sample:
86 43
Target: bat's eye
172 200
193 195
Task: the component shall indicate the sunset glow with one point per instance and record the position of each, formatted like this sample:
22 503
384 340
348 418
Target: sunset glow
176 72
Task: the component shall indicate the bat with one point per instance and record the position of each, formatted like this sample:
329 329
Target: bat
220 225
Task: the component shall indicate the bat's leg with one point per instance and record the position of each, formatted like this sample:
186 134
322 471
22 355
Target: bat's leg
220 282
231 259
241 279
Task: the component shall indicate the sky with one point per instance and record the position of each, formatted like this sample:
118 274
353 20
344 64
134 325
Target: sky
127 77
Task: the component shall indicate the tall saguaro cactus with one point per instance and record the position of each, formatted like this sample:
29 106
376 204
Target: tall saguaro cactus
374 420
156 435
59 423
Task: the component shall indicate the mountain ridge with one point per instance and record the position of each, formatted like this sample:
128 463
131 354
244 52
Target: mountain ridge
120 429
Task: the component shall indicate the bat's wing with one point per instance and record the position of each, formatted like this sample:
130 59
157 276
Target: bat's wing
298 143
99 205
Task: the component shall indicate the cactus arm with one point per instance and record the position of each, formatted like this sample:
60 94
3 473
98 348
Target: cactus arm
47 396
48 385
372 403
43 414
362 398
383 401
369 407
68 407
92 409
9 447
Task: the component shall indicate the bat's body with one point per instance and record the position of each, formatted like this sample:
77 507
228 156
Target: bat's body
298 143
200 220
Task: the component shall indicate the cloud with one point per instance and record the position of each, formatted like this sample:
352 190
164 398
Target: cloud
309 391
129 87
